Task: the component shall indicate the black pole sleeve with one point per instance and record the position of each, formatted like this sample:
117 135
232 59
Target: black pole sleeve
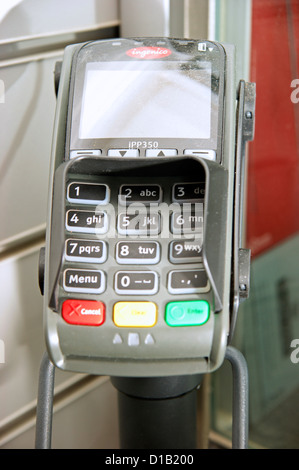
157 413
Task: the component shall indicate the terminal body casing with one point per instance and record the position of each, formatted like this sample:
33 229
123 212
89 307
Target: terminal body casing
176 350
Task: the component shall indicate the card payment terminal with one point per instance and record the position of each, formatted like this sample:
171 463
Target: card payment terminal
144 269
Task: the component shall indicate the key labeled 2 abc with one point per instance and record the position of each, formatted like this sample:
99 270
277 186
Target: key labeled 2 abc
138 193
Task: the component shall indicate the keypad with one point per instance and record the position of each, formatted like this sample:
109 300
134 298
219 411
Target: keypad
141 242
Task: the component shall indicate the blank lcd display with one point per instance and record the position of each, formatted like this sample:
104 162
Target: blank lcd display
125 99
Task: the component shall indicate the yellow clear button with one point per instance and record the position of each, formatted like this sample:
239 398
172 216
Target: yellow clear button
135 314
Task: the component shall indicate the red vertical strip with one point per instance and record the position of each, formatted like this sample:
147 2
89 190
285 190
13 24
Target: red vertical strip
273 171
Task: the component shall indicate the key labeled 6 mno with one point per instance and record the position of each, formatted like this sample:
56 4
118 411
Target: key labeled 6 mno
187 221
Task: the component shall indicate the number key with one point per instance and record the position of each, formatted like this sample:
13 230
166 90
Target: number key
135 193
136 282
87 221
188 192
88 193
188 221
139 223
83 250
185 251
137 252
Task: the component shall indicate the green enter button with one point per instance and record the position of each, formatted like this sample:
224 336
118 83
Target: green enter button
187 313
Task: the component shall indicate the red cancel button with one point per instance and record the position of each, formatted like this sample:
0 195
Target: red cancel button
83 312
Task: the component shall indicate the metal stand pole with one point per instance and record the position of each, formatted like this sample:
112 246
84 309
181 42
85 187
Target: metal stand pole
155 412
240 398
44 411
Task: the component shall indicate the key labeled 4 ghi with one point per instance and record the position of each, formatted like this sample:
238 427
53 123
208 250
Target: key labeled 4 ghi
87 221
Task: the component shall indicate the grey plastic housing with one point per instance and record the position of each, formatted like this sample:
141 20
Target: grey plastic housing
176 351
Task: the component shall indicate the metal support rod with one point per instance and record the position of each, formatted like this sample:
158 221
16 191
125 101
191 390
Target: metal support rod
240 398
44 411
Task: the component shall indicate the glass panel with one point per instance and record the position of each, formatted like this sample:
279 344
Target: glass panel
268 325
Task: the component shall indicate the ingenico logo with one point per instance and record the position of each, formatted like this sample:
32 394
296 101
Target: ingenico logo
148 52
